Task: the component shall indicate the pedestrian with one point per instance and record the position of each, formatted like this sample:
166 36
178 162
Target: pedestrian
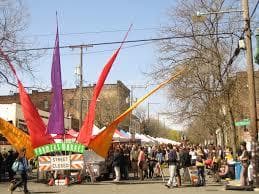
117 159
151 165
216 159
185 162
9 161
141 160
200 164
126 155
134 160
193 156
21 169
244 159
172 163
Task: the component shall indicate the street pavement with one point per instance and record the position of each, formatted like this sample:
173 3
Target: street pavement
146 187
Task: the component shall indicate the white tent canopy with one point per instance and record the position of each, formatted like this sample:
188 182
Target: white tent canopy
152 140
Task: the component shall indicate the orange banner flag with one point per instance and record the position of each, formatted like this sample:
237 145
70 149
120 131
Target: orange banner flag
102 142
16 137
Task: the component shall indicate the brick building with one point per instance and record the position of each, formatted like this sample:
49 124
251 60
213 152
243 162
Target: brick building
241 109
113 100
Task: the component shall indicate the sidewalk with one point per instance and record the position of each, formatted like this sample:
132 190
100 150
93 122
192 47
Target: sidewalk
234 182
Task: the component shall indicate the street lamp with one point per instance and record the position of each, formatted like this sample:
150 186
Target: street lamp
199 15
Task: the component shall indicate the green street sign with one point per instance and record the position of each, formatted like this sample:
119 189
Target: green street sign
243 122
58 147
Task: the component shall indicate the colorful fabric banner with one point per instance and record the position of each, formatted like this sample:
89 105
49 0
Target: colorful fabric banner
33 120
56 118
85 132
16 137
102 142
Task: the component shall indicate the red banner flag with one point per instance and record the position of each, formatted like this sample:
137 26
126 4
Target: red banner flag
85 132
33 120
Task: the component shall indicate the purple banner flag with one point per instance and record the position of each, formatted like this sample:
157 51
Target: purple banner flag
56 118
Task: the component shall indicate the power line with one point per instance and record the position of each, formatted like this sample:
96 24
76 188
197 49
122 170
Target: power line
128 41
116 30
102 51
97 32
253 12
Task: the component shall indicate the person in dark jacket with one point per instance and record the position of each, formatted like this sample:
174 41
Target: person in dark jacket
117 159
151 165
126 162
22 171
10 160
173 159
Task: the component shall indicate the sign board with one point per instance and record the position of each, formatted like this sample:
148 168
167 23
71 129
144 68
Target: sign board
59 147
69 162
243 122
60 162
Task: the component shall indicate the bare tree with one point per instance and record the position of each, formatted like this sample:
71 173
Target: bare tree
205 48
13 22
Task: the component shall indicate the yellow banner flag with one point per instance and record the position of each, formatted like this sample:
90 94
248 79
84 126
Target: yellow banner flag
102 142
16 137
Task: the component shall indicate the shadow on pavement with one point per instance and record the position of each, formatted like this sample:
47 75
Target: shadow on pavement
45 192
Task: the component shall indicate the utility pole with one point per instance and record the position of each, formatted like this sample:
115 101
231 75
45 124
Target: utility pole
81 81
251 88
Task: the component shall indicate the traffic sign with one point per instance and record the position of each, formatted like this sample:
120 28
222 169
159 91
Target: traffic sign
243 122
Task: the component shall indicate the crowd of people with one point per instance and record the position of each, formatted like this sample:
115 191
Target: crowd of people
147 162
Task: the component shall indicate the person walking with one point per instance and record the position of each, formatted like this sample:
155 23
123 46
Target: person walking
141 161
21 169
117 159
193 156
172 163
244 159
201 168
134 160
10 160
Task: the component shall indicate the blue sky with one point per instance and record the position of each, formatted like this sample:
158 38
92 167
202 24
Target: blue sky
79 22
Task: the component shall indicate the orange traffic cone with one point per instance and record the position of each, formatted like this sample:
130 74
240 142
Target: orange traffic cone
51 182
67 181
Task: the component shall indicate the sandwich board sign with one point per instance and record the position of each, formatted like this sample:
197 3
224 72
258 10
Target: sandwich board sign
60 162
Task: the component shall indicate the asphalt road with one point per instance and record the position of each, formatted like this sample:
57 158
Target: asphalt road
112 188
